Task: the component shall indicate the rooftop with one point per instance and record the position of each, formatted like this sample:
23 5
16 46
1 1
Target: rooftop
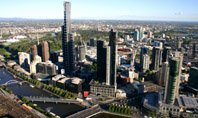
57 77
187 102
63 80
76 80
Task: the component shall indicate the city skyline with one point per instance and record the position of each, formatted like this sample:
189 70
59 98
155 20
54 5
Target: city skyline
177 10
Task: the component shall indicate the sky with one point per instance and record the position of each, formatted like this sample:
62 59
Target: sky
170 10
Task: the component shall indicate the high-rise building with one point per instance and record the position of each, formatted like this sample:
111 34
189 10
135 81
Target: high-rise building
158 44
166 54
68 41
108 62
24 59
34 51
163 74
45 51
145 62
101 62
179 43
156 58
172 84
144 51
54 56
39 50
81 50
136 35
142 30
193 79
92 42
194 49
113 53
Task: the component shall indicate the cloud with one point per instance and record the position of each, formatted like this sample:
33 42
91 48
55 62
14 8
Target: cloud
179 13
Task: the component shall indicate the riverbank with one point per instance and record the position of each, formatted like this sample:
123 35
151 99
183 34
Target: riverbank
106 114
9 107
24 89
51 89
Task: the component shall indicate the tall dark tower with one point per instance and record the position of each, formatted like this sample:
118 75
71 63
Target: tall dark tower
166 54
113 55
101 59
68 41
103 62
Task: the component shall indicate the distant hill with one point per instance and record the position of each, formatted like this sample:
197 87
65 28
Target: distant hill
13 19
24 19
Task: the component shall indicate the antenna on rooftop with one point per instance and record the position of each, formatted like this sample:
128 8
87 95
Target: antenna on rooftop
37 39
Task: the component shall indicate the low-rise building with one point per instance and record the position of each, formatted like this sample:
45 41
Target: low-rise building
11 63
73 84
45 78
167 109
46 68
187 102
104 90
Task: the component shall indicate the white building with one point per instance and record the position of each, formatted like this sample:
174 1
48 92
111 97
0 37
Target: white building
24 59
146 62
131 75
34 63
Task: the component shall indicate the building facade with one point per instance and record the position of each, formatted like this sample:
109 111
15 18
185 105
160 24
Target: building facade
36 60
46 68
113 57
172 84
156 58
143 54
45 51
145 62
193 80
165 54
68 42
24 59
34 51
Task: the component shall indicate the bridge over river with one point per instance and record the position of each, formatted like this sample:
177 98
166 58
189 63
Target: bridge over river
47 99
87 113
10 82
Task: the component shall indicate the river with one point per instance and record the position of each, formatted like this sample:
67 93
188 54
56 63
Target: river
61 109
25 89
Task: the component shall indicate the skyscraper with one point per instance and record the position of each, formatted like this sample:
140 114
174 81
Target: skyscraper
113 53
34 51
103 62
156 58
81 50
165 54
144 51
145 62
136 35
172 84
68 41
45 51
193 79
163 74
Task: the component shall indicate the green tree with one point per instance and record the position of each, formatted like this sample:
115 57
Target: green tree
94 67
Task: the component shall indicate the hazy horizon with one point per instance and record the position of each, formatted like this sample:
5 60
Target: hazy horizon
142 10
